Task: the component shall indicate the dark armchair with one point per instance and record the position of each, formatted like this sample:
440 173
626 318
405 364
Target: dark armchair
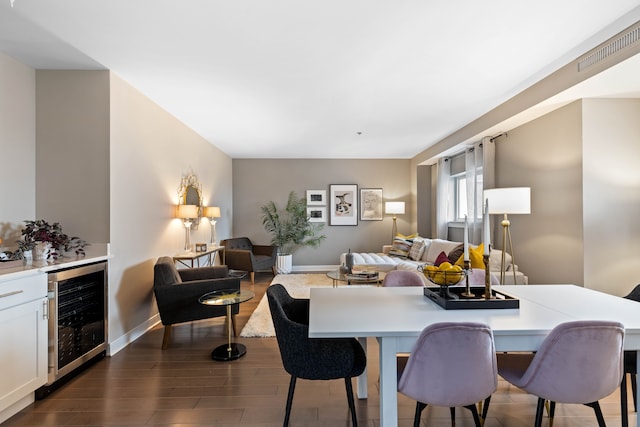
241 254
177 293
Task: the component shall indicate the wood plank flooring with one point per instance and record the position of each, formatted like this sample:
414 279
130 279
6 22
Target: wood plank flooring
181 386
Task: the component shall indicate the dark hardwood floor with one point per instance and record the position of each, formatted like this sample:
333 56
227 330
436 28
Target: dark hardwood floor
181 386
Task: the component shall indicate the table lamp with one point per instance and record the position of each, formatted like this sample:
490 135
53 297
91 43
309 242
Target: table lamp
514 200
187 213
394 208
212 212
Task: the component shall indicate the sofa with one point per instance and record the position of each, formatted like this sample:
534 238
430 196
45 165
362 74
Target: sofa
399 257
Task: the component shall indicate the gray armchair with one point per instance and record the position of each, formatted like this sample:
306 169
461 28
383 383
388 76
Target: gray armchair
177 293
241 254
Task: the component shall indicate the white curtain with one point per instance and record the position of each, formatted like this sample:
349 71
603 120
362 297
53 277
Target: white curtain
479 162
473 171
443 197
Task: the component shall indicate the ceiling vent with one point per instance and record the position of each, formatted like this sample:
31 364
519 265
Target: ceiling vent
616 45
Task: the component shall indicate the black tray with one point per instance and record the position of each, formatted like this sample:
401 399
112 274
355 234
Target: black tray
451 298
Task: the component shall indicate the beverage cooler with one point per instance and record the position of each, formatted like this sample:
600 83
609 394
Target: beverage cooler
77 320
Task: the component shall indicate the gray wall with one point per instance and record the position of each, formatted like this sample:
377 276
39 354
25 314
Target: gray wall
72 154
546 155
611 190
257 181
17 147
581 162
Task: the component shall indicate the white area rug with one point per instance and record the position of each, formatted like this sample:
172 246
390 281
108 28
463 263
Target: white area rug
298 285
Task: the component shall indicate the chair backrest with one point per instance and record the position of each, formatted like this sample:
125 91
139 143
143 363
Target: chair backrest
304 357
165 272
578 362
402 278
242 243
451 364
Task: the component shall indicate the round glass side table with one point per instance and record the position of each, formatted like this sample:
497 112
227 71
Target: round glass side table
228 297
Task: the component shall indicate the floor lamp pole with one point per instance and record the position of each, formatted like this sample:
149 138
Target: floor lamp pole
394 229
506 234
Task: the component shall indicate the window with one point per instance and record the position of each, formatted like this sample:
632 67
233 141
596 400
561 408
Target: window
460 208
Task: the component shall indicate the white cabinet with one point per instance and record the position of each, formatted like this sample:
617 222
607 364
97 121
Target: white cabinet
23 338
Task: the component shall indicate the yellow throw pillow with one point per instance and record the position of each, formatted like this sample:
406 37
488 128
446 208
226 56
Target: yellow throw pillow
475 256
409 237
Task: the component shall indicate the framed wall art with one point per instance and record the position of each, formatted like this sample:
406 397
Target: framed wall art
371 204
316 197
343 204
317 213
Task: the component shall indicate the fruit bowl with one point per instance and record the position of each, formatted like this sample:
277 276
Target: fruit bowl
444 276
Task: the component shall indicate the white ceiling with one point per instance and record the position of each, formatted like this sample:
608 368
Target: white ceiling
321 79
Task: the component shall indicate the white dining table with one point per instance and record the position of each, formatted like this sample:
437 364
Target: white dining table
395 316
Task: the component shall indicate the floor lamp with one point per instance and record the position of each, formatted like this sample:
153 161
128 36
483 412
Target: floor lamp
394 208
187 213
514 200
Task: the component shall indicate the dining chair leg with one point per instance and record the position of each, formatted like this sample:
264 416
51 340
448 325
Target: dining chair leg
485 409
292 387
352 406
624 409
598 411
452 411
419 408
539 411
474 412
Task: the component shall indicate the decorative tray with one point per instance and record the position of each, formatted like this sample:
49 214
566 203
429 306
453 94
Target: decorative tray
450 298
363 275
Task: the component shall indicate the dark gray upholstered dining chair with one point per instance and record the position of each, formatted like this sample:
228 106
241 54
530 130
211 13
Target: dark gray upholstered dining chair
311 358
630 367
177 293
241 254
452 364
578 362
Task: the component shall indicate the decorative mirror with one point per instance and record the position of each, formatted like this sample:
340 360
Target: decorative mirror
190 193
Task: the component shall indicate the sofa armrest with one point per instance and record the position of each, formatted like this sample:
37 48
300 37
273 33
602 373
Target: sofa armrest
267 250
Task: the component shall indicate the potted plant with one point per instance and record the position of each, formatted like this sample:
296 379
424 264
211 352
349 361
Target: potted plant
39 235
290 229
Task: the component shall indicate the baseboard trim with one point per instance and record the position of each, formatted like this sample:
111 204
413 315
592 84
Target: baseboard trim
308 268
126 339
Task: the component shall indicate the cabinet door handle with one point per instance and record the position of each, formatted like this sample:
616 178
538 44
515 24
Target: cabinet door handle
45 309
8 294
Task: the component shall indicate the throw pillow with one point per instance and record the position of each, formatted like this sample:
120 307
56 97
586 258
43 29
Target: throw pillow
442 257
417 249
455 253
401 247
475 256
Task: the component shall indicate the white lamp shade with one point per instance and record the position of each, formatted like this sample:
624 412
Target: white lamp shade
514 200
187 211
211 212
394 208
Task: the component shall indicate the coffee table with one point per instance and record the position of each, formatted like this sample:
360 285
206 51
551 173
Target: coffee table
228 297
337 276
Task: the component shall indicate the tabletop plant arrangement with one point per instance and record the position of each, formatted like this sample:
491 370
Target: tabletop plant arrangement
40 233
290 228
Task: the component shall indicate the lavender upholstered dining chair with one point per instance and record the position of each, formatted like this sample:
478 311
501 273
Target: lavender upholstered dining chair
311 358
402 278
630 367
578 362
452 364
